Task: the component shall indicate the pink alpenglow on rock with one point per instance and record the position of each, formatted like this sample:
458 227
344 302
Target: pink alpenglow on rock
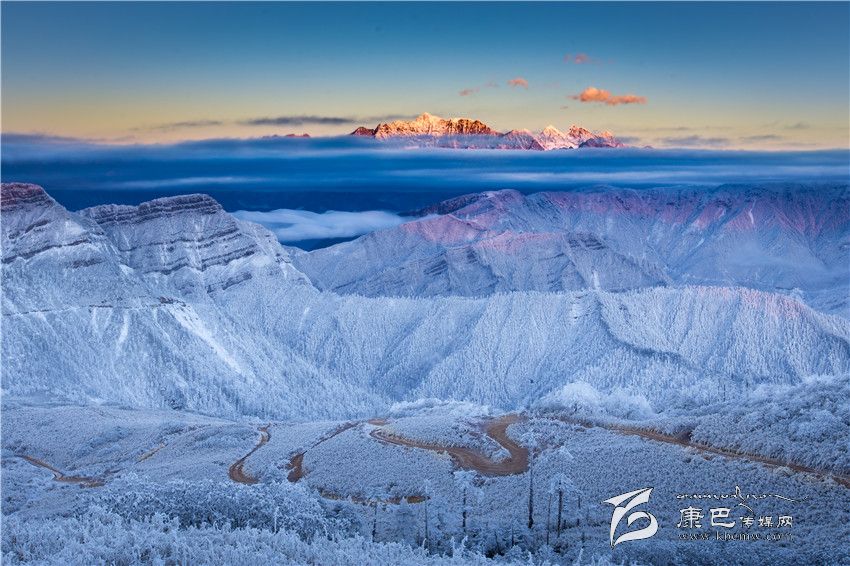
428 130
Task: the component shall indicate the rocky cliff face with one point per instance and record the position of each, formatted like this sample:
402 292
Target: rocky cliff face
364 131
190 241
429 125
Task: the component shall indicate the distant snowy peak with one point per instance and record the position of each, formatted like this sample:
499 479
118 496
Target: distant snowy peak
428 130
553 138
603 139
363 131
519 139
427 124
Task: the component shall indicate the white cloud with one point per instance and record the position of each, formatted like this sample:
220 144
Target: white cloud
297 225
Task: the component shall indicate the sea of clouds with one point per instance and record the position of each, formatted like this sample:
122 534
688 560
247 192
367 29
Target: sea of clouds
337 188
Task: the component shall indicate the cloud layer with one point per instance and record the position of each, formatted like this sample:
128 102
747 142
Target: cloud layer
284 120
356 174
593 94
695 141
302 119
298 225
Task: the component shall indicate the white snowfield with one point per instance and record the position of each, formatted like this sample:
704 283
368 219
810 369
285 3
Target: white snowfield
177 304
163 494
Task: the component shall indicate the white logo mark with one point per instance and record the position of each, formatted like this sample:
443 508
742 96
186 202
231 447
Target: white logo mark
634 498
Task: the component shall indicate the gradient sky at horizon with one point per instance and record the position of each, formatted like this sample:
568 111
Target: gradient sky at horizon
721 75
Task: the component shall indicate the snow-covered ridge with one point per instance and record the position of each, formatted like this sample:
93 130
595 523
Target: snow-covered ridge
115 213
163 306
33 223
781 238
463 133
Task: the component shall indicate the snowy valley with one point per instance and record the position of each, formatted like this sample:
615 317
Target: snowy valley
426 393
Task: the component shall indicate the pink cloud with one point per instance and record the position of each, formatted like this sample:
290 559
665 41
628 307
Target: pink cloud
473 90
519 81
578 58
593 94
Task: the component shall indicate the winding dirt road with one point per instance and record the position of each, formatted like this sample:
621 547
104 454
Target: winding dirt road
236 471
466 458
84 481
296 462
684 440
150 453
469 459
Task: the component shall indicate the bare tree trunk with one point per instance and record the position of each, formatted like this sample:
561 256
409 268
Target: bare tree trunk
560 508
548 516
426 521
530 491
464 511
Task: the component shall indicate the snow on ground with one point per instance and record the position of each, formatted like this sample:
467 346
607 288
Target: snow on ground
346 507
447 430
174 306
806 424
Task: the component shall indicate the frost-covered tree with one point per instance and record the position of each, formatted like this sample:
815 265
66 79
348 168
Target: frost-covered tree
530 441
463 479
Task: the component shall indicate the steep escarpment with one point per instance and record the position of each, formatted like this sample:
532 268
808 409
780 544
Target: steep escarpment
192 238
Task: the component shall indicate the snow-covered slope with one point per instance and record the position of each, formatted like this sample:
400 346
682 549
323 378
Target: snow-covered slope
428 130
127 310
191 244
552 138
430 125
175 303
790 239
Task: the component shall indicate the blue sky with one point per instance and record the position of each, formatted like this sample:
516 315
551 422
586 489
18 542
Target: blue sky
720 75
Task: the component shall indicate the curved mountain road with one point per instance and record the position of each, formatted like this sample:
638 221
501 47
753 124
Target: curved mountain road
84 481
684 441
236 472
469 459
296 462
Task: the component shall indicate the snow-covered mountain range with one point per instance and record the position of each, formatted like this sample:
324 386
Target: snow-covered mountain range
175 303
780 238
428 130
